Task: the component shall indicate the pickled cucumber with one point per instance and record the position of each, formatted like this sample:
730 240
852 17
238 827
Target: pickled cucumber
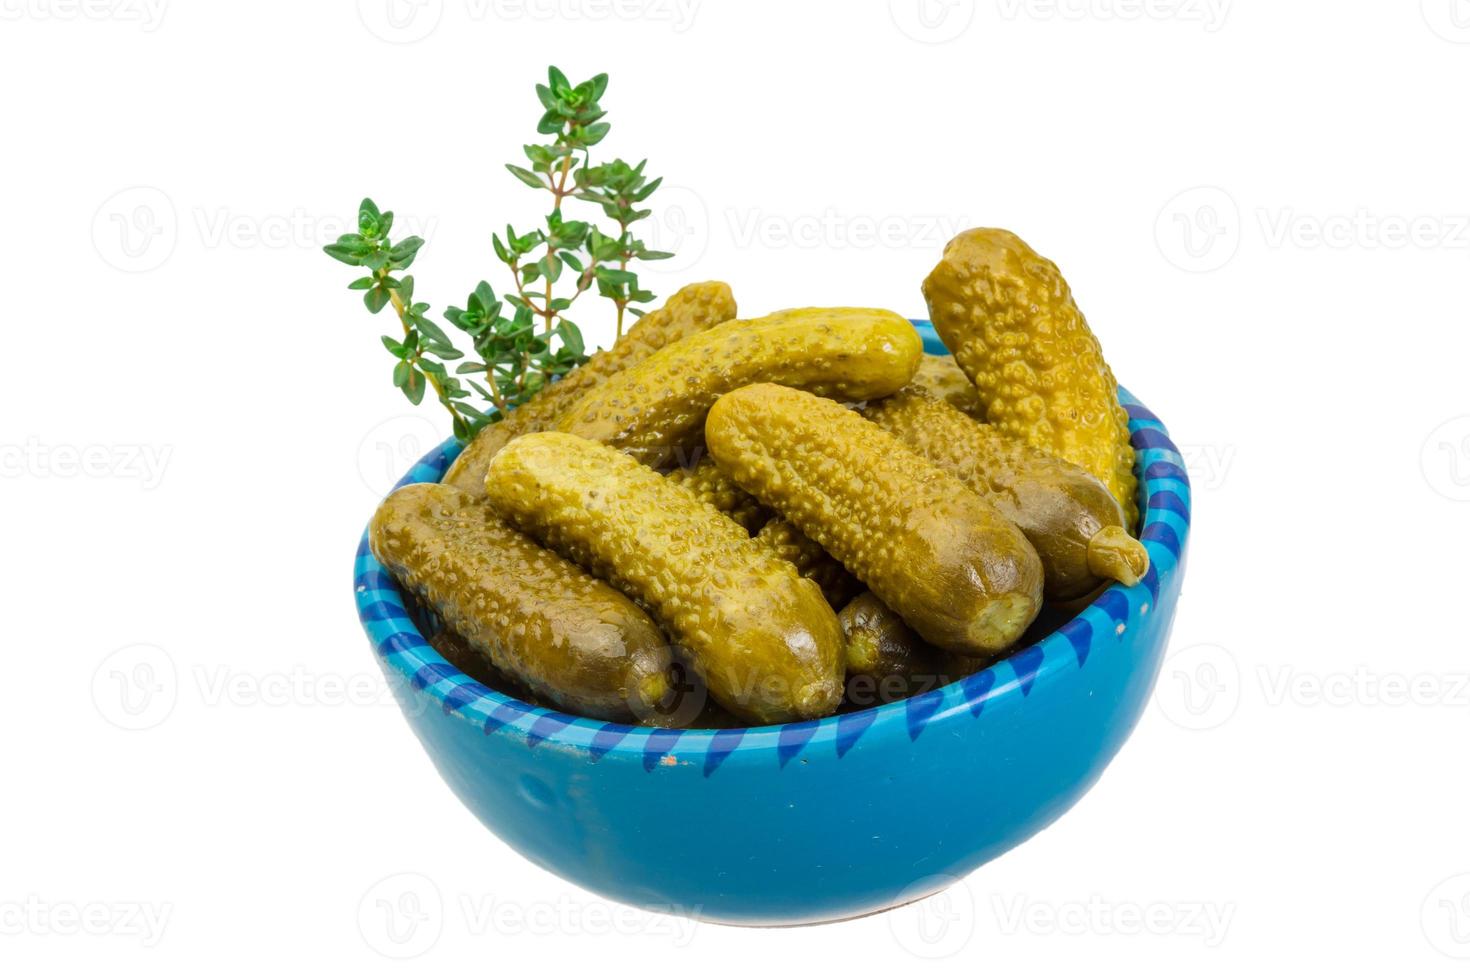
875 640
762 637
943 378
656 408
1009 317
965 578
706 482
837 584
1065 512
886 661
573 641
457 650
724 494
694 308
690 705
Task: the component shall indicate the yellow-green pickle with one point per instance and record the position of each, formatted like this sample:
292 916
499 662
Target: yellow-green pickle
943 378
573 641
696 307
876 641
786 540
965 578
712 486
690 704
655 409
762 637
887 661
1009 318
1065 512
706 482
457 650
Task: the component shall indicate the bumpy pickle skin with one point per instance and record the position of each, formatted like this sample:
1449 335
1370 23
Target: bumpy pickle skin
712 486
1066 513
965 578
706 482
762 637
944 379
837 584
1009 317
571 640
655 410
696 307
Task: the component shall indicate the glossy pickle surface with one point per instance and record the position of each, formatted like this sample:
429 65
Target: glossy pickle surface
1011 321
887 661
944 379
574 641
706 482
715 488
655 410
762 637
965 578
1062 509
784 538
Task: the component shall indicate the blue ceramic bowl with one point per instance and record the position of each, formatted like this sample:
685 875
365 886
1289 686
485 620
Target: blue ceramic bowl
817 820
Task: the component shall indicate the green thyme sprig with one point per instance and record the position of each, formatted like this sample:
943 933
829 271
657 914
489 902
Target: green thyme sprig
522 339
620 189
424 347
515 358
562 168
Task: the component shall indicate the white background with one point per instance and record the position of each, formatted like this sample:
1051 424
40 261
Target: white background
1262 208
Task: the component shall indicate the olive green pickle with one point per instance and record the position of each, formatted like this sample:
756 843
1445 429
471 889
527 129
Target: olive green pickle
573 641
655 410
760 636
965 578
1075 524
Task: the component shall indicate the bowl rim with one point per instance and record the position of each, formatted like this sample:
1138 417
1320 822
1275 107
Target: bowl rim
1165 501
